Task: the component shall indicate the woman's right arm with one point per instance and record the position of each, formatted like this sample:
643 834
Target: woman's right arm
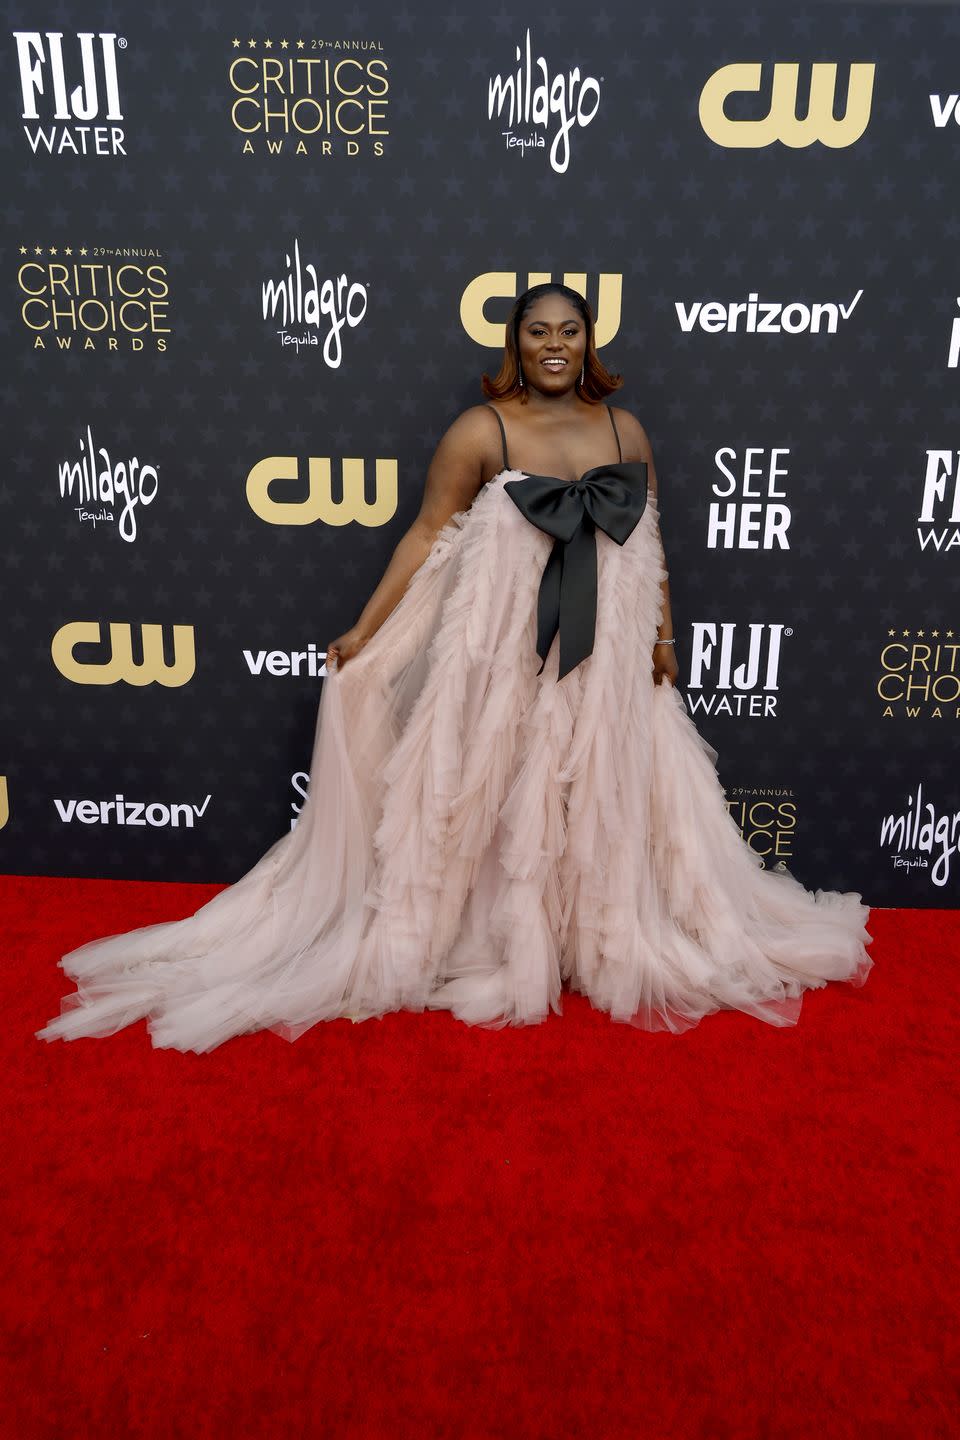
455 475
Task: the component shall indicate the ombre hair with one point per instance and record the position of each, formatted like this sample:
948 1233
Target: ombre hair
598 381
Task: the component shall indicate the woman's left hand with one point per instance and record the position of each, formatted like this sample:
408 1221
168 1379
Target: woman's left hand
665 664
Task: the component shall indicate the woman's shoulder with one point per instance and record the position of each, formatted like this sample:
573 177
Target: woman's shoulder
475 420
633 437
472 435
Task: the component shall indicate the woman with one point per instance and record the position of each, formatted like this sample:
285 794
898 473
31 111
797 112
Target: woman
481 828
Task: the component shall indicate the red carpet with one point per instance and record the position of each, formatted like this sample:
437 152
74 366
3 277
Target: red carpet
408 1228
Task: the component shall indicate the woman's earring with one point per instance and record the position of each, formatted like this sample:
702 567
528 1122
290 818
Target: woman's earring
582 373
520 376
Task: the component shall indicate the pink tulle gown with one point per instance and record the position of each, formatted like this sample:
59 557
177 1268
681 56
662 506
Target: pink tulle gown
478 832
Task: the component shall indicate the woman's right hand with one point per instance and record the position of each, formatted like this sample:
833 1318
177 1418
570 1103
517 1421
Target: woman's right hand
345 647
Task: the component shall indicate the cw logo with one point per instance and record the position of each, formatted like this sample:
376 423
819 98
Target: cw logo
4 802
319 503
781 121
502 284
120 664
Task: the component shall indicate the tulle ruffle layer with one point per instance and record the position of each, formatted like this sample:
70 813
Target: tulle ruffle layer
476 835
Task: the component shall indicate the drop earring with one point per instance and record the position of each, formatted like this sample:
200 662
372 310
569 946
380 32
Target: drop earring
582 373
520 376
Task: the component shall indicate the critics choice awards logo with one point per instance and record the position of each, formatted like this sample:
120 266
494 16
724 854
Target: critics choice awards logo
70 92
540 107
767 819
306 96
103 297
919 674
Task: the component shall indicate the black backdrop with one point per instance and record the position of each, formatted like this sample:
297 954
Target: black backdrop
151 223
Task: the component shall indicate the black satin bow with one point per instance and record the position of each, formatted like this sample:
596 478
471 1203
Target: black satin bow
610 498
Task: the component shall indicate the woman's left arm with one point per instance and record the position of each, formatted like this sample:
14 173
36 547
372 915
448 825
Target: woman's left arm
636 446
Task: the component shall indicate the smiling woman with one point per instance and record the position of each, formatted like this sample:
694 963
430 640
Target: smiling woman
506 791
550 326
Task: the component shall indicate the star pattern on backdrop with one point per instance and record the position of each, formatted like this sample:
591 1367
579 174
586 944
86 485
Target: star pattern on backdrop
647 196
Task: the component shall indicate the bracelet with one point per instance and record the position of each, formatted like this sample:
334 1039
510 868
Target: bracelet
666 642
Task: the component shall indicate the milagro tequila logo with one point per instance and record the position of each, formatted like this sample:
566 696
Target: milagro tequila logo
921 838
96 486
63 125
301 298
532 101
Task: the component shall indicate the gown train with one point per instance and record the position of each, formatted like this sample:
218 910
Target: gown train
476 834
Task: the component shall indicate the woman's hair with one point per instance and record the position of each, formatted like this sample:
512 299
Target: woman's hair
598 382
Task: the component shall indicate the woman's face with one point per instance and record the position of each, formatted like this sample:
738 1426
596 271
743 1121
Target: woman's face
552 343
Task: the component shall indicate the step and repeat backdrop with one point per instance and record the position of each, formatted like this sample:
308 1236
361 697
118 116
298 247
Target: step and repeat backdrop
256 260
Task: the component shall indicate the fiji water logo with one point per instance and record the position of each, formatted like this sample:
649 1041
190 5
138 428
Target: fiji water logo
530 100
938 524
718 684
62 117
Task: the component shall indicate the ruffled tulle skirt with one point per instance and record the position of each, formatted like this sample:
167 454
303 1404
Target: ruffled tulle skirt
477 834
